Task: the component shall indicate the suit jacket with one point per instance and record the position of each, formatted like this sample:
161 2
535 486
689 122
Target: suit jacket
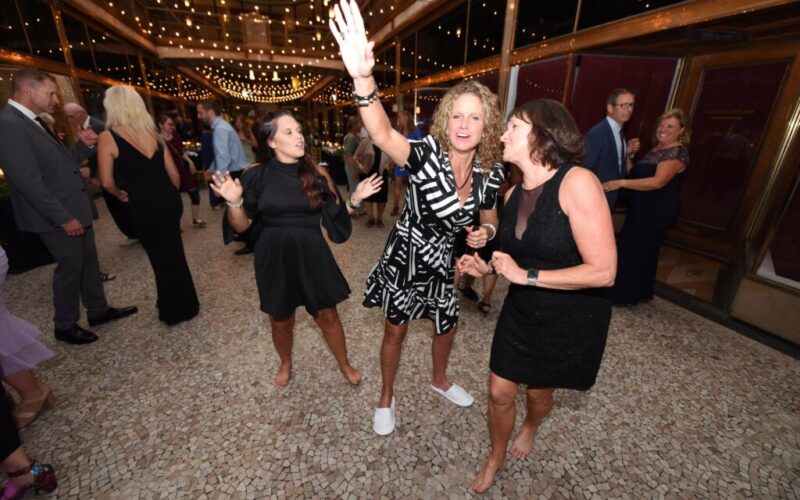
46 187
602 157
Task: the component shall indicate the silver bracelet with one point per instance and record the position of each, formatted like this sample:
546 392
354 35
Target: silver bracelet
237 204
494 230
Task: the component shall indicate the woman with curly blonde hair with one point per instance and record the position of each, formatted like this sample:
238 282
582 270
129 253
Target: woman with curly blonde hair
134 166
453 173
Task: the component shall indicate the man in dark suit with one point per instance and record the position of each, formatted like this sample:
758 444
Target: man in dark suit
607 151
81 120
51 200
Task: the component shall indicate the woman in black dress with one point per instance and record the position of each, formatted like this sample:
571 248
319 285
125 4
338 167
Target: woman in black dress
655 182
293 263
558 252
131 150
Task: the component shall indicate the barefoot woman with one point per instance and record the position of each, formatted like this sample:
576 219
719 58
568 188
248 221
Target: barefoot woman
558 251
453 174
294 265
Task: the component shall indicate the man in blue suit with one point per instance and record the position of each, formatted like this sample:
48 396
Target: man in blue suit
607 151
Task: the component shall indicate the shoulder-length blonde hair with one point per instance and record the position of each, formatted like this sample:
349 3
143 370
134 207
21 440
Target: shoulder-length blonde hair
489 149
125 107
679 115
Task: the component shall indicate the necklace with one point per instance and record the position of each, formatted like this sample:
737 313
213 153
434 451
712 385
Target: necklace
466 179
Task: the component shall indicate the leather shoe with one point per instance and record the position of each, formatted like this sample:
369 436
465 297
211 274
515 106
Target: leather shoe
75 335
111 314
244 250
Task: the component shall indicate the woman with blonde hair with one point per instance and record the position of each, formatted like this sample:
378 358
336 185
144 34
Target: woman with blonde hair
654 181
131 150
453 174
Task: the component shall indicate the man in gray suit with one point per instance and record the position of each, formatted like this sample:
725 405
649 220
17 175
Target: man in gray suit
49 198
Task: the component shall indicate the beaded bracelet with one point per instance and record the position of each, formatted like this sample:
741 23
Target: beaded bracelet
237 204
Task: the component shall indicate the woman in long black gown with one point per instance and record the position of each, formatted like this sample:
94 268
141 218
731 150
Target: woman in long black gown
293 262
655 182
130 149
558 253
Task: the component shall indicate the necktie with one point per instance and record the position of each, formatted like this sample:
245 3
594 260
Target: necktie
47 128
622 162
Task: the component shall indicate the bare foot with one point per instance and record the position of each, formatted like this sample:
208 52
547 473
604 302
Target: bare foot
523 444
352 375
485 478
283 375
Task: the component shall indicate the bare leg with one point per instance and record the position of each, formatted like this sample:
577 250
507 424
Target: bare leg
391 348
283 339
381 209
440 350
489 282
18 460
370 219
502 411
328 321
26 384
195 212
539 403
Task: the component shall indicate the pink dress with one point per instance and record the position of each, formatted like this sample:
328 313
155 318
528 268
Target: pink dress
19 347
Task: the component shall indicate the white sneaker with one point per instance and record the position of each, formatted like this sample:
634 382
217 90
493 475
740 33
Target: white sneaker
384 420
456 395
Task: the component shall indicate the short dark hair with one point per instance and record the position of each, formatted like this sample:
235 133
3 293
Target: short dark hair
614 95
211 105
554 137
29 76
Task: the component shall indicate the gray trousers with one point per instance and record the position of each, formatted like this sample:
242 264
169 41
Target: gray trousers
76 278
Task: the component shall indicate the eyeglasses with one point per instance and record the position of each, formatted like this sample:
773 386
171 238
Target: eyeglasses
625 105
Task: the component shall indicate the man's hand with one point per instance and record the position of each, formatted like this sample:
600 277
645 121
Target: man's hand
73 228
88 137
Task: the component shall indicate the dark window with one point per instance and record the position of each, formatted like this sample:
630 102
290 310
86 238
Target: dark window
728 124
486 21
538 21
408 47
12 35
596 13
79 43
440 45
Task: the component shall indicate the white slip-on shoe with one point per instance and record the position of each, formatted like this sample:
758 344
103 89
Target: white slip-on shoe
456 395
384 420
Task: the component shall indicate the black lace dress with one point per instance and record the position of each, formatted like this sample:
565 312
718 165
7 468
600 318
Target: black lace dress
650 214
544 337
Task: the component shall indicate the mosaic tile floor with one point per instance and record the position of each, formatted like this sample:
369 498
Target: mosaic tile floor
683 407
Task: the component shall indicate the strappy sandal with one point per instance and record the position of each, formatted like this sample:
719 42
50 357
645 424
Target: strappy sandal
44 481
107 276
27 411
484 308
199 223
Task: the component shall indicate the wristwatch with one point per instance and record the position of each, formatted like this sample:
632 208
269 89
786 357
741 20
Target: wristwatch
533 277
362 101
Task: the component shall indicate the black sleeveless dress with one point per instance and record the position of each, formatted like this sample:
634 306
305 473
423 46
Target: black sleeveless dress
155 209
544 337
294 264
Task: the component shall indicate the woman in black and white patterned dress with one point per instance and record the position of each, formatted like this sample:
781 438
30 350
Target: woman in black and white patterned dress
454 173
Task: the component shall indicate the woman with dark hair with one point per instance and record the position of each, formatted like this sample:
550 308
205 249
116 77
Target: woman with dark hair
453 176
185 165
654 181
294 265
558 253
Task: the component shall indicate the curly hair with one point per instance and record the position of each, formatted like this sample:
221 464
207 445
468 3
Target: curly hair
679 115
554 139
489 149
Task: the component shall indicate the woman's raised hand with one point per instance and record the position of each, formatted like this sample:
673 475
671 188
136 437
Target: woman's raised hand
367 188
347 27
226 186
